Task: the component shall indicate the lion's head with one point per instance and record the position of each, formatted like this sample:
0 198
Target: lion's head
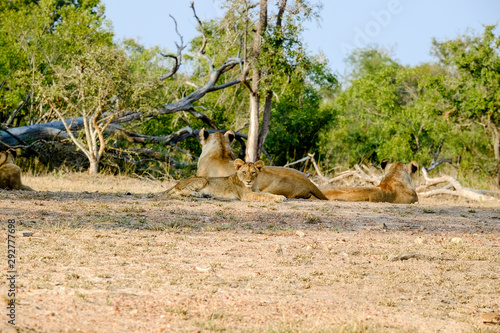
6 157
248 172
399 171
217 142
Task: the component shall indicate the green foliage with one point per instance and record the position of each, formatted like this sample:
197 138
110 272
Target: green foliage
298 122
473 91
64 50
37 36
388 112
408 113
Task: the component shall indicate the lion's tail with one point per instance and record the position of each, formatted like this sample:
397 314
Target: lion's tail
168 191
318 194
26 188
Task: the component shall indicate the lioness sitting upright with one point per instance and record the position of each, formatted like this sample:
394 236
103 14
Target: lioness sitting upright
395 187
10 174
217 160
235 187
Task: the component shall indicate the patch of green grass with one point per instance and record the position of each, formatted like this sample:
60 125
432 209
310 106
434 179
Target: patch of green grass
312 219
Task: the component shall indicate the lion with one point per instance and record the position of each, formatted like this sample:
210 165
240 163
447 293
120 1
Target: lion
217 160
10 174
395 187
234 187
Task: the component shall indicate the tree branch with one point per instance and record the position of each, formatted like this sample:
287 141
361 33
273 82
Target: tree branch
459 189
177 58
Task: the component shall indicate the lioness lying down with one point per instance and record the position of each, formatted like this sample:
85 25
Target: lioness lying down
10 174
217 160
235 187
395 187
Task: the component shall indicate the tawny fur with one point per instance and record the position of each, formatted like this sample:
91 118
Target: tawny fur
217 160
395 187
235 187
10 174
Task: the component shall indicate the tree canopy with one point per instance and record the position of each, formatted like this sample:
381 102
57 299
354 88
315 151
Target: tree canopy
249 70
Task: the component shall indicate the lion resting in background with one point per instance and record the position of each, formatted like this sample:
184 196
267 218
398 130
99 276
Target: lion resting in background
235 187
10 174
217 160
395 187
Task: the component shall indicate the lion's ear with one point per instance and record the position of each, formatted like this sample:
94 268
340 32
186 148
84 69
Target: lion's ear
3 157
230 136
204 134
413 167
238 163
384 163
259 165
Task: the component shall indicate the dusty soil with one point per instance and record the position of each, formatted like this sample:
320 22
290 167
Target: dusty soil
108 255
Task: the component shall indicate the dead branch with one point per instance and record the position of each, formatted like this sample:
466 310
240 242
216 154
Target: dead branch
318 171
177 58
370 178
204 43
202 117
184 104
297 162
365 177
459 189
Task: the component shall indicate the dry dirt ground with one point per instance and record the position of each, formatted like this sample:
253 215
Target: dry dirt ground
107 254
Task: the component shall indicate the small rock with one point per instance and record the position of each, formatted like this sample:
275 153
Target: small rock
300 233
419 240
491 318
327 247
27 233
204 270
456 240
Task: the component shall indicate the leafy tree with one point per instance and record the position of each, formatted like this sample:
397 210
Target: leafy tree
387 111
473 87
97 86
272 53
300 118
37 35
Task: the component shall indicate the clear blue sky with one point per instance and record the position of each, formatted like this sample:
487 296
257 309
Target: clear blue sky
404 26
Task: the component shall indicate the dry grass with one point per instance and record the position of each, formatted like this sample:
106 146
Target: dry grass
107 255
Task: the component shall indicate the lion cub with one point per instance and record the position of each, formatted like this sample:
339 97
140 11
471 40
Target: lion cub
235 187
395 187
217 160
10 174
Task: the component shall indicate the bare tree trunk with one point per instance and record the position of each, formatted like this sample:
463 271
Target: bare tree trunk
94 166
253 130
256 138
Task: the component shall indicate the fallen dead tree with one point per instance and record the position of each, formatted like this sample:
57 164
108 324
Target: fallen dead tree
360 176
452 187
371 175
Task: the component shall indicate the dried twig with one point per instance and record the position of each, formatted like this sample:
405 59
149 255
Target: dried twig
177 58
407 256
